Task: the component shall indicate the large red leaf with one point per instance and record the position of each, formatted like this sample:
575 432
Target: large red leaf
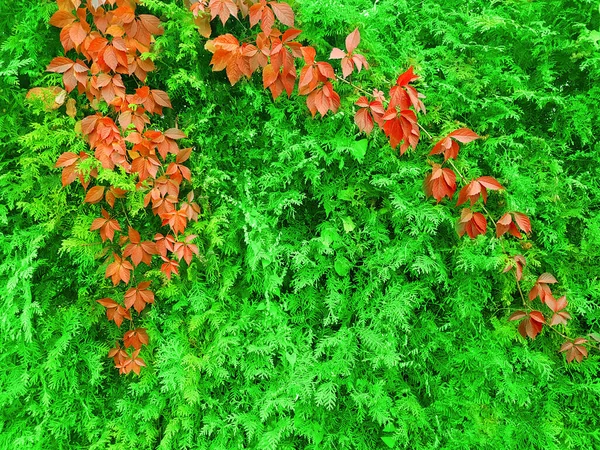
139 296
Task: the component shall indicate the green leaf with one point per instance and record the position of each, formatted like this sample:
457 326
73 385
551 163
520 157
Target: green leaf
389 441
359 149
342 266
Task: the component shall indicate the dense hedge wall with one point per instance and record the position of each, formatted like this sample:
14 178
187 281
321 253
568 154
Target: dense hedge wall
333 306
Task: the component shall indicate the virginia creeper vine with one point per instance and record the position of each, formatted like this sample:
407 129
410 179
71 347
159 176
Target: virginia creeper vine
111 37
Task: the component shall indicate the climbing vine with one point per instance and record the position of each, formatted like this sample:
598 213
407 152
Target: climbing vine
107 45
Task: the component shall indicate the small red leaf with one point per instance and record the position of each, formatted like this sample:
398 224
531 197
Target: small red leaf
464 135
547 278
523 222
283 12
94 195
337 53
352 41
517 315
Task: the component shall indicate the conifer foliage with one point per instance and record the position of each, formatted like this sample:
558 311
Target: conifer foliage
323 298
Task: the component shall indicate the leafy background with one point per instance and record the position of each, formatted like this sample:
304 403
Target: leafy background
334 306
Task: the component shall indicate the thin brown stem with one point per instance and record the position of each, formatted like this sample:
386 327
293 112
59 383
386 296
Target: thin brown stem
358 88
426 132
126 216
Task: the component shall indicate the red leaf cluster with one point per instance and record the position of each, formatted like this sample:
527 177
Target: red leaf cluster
110 37
449 144
473 223
348 57
478 187
532 322
575 350
506 223
440 183
541 288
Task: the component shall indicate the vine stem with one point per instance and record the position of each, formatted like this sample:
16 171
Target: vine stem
126 216
358 88
425 130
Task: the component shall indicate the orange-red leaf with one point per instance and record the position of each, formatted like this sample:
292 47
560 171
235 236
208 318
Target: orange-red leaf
128 364
352 41
283 12
440 183
169 267
532 324
114 311
106 225
177 220
139 296
94 195
60 64
523 222
139 251
472 223
136 338
478 187
575 350
223 9
119 270
464 135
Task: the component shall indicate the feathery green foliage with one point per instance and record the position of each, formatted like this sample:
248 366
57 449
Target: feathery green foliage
333 306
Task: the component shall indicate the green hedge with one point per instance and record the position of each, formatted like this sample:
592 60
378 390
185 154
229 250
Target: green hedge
333 306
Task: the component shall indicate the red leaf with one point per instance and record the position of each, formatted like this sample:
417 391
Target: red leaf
186 250
473 224
94 195
517 315
60 64
61 19
532 324
440 183
119 270
128 364
106 225
161 98
169 267
490 183
136 338
523 222
560 317
407 77
139 296
114 193
323 99
139 251
478 187
575 350
352 41
67 159
177 220
337 53
174 133
114 311
547 278
363 120
283 12
269 76
164 243
464 135
223 9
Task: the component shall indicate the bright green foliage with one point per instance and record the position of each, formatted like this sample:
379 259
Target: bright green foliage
334 306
